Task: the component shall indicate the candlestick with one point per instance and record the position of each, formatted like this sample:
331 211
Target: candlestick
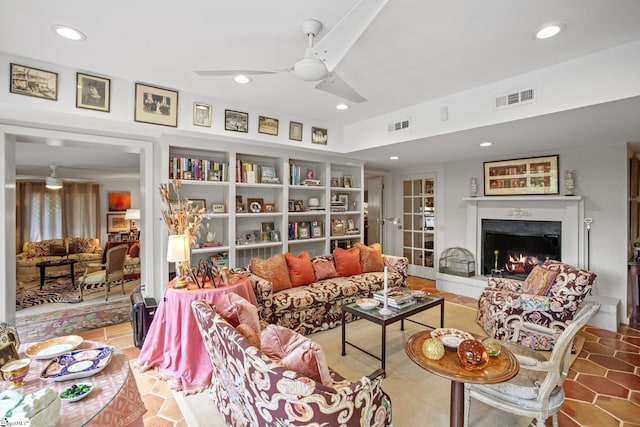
385 309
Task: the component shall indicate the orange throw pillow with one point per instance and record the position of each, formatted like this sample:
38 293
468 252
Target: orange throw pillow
274 270
347 261
324 268
300 269
371 257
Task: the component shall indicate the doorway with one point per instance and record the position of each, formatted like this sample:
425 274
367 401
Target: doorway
373 212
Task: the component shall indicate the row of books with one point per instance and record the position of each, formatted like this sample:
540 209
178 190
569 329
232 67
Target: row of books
305 229
299 177
197 169
395 298
253 173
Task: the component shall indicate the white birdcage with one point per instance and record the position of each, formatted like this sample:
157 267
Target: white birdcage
457 261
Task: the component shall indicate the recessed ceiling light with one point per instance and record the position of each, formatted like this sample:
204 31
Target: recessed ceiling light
241 79
486 144
549 31
342 107
394 158
68 32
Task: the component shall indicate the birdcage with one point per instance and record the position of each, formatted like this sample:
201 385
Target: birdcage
457 261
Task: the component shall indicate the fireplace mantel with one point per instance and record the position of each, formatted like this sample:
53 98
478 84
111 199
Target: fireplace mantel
524 198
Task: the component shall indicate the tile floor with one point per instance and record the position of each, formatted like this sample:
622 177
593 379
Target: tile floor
603 388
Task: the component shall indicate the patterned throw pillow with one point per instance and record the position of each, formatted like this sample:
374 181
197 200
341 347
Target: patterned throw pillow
324 268
371 257
237 310
295 352
347 261
134 251
300 269
274 270
539 281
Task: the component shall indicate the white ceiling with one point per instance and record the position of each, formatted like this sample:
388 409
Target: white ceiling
414 51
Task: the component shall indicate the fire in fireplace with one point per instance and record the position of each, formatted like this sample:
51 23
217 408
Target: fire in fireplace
511 248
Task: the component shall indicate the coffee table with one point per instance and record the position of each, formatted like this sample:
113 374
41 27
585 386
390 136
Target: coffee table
373 315
44 264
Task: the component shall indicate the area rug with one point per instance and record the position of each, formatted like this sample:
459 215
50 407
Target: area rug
417 396
70 321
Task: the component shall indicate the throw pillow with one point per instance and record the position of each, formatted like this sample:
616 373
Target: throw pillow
274 270
134 250
237 310
57 250
295 352
324 268
300 269
371 257
539 281
347 261
249 333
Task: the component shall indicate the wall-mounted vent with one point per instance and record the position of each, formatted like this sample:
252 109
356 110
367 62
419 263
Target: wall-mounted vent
515 98
399 126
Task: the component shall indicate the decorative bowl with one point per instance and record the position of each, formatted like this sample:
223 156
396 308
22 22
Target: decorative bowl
451 342
451 337
16 371
54 347
492 345
473 355
75 392
367 303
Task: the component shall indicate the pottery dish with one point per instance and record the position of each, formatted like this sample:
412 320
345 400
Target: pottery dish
77 364
367 303
54 347
75 392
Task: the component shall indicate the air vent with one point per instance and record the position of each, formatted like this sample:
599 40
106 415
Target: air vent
515 98
399 126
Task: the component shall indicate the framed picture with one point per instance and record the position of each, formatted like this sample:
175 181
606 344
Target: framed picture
303 230
116 223
346 181
295 131
319 135
255 205
267 125
33 82
351 224
198 203
343 198
316 231
236 121
124 237
267 227
291 205
93 92
269 207
335 182
240 207
156 105
201 114
119 201
8 352
298 205
534 175
337 228
218 208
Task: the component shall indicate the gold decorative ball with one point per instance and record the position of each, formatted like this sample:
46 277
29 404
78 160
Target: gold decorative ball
433 349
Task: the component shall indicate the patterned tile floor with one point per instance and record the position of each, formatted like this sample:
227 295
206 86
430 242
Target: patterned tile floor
603 388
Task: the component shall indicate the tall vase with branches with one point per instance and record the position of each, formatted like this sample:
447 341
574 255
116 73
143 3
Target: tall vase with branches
181 217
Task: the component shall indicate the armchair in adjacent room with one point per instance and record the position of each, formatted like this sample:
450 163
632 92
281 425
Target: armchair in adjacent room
112 273
548 297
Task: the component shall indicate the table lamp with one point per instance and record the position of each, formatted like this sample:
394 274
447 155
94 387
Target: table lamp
132 215
178 251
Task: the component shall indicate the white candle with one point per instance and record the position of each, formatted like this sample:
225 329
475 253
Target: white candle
385 286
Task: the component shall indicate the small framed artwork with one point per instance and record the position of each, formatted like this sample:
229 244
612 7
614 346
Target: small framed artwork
116 223
319 135
218 208
269 207
240 208
291 205
535 175
337 228
93 92
346 181
8 352
34 82
351 224
156 105
298 205
236 121
187 175
255 205
198 203
238 199
267 227
295 131
119 201
267 125
303 230
274 236
344 198
124 237
201 114
316 231
335 182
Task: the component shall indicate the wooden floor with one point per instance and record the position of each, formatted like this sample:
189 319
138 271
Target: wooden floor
603 388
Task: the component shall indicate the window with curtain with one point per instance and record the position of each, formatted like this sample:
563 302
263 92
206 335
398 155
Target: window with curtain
43 214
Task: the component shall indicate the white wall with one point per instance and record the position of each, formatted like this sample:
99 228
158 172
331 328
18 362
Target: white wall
116 186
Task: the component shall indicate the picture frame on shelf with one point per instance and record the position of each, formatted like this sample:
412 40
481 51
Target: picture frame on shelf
337 228
267 227
343 198
268 125
303 230
93 92
298 205
316 231
201 114
240 208
156 105
198 203
275 236
346 181
335 182
319 135
291 205
236 121
255 205
351 224
295 131
526 176
187 175
270 207
124 237
116 223
32 81
218 208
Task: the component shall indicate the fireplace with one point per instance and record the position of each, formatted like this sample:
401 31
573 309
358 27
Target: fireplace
511 248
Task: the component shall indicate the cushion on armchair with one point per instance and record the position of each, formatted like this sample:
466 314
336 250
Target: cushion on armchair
539 281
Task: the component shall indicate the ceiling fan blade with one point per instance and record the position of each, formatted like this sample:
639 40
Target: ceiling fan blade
335 45
214 73
334 85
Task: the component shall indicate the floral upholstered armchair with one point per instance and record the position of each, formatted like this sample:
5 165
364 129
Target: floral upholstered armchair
250 388
548 297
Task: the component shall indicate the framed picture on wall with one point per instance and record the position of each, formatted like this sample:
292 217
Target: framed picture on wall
156 105
116 223
201 114
93 92
119 201
295 131
34 82
267 125
534 175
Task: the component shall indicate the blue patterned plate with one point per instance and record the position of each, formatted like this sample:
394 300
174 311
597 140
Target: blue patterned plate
77 364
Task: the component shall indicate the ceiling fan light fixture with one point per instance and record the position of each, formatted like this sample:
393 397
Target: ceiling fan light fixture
310 70
53 183
241 79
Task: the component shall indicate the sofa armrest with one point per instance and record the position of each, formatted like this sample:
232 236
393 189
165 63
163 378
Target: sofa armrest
397 264
21 256
504 284
263 290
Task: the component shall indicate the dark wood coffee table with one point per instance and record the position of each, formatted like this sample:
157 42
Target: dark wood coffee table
44 264
374 316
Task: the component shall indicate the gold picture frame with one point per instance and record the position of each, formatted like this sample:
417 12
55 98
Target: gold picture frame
295 131
268 125
93 92
156 105
527 176
319 135
33 82
8 352
116 223
201 114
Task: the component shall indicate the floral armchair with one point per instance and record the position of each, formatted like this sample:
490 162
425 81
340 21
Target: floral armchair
251 389
548 297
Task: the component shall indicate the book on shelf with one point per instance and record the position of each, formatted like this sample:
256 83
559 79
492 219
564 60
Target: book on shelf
197 169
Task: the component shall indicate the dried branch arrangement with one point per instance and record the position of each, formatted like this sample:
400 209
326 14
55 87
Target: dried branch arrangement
180 215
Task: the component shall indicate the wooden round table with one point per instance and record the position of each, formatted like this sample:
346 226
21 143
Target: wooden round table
500 368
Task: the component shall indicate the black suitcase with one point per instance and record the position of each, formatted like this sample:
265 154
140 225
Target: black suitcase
142 311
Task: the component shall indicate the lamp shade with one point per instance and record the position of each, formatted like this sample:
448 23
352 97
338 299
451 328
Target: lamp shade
132 214
178 248
53 183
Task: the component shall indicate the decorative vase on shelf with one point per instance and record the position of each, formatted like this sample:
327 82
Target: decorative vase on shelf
570 181
473 187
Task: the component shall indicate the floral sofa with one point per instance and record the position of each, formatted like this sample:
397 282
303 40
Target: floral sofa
85 250
249 388
317 305
550 296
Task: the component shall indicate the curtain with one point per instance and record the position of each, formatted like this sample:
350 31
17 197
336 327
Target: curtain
81 210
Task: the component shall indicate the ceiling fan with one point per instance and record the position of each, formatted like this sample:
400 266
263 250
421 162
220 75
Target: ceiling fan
320 60
52 181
